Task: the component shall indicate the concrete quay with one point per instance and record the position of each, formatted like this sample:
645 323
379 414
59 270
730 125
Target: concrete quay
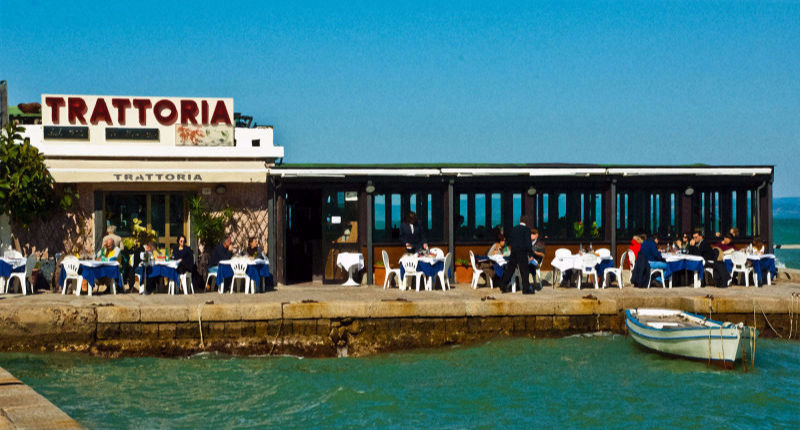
23 408
329 320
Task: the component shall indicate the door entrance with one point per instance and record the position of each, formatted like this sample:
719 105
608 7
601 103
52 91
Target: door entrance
303 235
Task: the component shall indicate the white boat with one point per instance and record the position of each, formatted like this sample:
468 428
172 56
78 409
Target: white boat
688 335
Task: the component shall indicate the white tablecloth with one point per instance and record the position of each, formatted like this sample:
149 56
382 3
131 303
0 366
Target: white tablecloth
346 260
669 256
14 262
573 262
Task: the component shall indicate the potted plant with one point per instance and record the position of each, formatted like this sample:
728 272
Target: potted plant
378 272
463 271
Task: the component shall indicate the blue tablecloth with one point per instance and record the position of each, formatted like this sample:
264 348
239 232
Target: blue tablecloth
759 266
162 270
93 273
430 270
6 269
254 271
683 264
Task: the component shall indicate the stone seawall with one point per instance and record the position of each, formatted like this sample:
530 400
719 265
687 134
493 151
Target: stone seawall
23 408
356 328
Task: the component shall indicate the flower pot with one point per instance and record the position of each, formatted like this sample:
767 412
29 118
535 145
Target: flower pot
463 274
379 274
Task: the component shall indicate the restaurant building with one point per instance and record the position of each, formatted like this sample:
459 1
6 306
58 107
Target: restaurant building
145 157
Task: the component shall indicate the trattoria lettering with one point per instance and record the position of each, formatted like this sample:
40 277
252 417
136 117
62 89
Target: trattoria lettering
116 111
168 177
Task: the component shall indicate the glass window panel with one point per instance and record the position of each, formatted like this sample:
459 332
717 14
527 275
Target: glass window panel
379 214
430 212
516 207
497 209
122 209
562 205
545 208
175 215
396 215
158 213
598 209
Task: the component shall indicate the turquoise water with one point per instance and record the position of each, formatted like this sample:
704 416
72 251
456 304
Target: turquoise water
576 382
787 231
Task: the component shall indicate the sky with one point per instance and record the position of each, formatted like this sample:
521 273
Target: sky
384 82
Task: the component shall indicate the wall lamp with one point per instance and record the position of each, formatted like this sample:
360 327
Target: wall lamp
689 191
370 188
531 191
221 189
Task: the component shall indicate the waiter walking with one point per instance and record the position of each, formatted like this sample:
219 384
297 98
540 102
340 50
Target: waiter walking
520 243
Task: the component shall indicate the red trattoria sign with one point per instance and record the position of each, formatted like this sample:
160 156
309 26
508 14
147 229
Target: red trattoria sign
117 111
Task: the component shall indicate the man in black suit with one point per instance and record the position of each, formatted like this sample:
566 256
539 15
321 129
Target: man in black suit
412 235
698 246
521 252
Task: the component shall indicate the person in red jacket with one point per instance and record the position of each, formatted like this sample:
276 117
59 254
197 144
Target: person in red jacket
636 245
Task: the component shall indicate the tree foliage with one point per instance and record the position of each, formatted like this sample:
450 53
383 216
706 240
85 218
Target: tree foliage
208 226
26 187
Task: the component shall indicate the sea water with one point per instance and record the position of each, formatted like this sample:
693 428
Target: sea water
787 231
576 382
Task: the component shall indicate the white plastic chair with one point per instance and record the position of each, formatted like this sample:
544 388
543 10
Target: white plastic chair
212 275
588 263
603 253
409 263
657 272
477 273
617 272
71 265
239 267
444 280
560 254
739 260
19 276
390 272
437 252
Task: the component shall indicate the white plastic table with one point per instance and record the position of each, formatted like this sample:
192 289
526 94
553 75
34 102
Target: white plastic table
350 261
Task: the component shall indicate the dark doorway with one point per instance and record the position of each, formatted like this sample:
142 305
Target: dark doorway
303 235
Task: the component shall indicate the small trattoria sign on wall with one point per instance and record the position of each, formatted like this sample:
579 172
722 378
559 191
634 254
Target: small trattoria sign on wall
167 120
158 177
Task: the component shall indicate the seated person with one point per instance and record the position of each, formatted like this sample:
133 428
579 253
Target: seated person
412 235
726 245
143 255
223 251
499 247
682 242
648 258
758 246
734 232
537 247
636 244
699 246
108 252
185 257
254 249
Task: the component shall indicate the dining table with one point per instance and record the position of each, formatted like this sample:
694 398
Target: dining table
7 267
351 262
256 269
92 270
677 262
568 263
760 262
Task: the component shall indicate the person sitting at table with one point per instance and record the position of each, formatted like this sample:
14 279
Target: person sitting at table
223 251
647 259
712 257
734 232
537 248
108 252
500 247
143 254
412 235
758 246
726 245
185 257
254 249
111 231
682 242
636 245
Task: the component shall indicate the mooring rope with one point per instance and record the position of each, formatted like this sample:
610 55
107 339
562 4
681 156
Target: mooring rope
278 333
767 320
200 324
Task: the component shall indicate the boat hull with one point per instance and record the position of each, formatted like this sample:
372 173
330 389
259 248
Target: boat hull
718 342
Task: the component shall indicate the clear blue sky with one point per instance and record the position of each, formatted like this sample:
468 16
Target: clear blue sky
628 82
